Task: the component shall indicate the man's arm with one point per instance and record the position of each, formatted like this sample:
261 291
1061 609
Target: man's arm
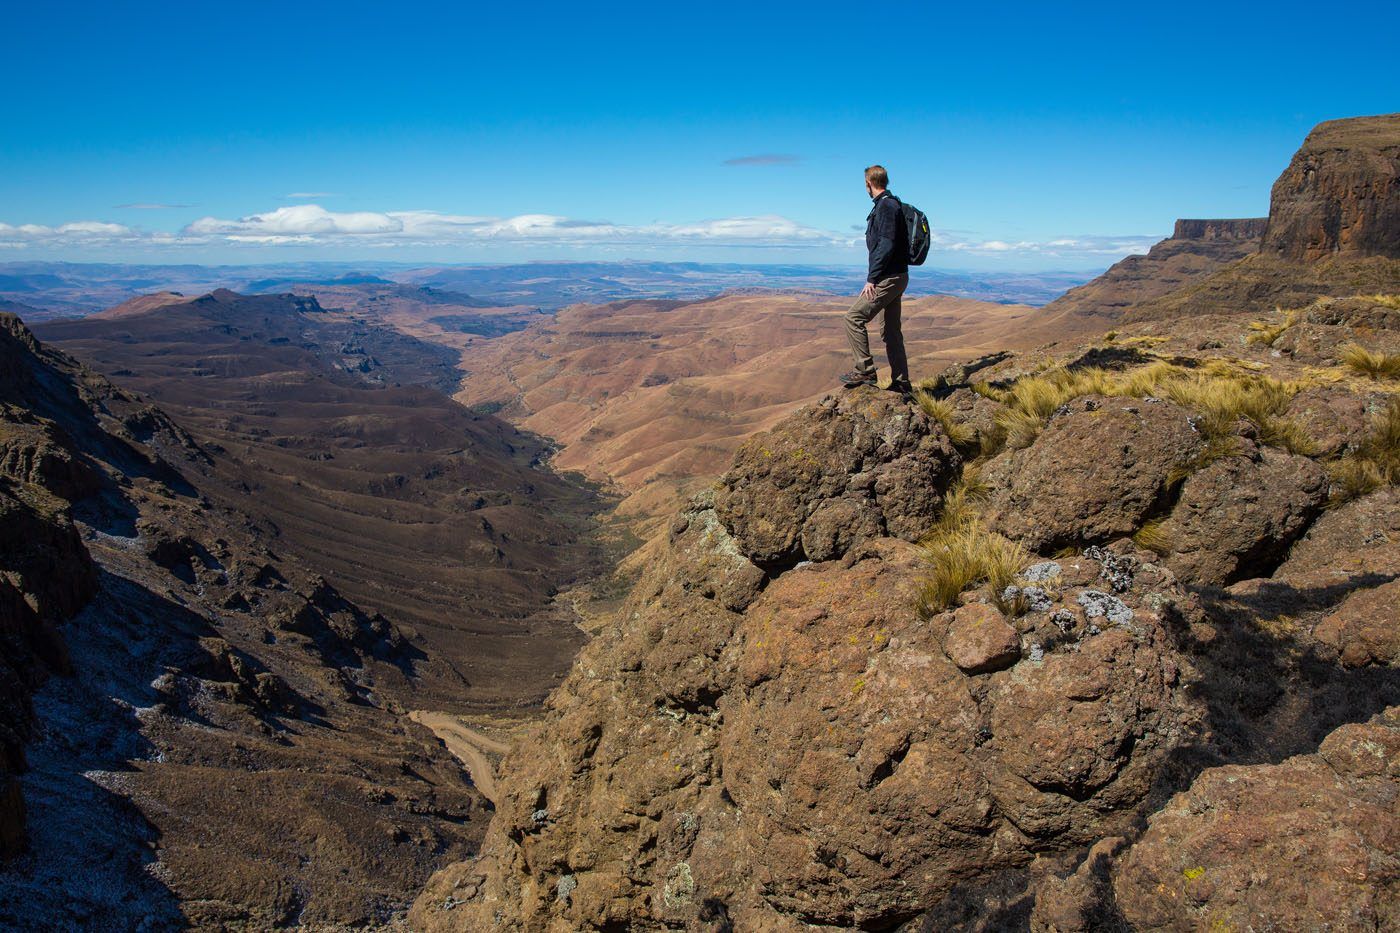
886 233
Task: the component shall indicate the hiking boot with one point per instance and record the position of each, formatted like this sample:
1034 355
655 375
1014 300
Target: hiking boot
853 379
905 390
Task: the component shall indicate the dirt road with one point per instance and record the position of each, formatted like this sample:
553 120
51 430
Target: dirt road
468 745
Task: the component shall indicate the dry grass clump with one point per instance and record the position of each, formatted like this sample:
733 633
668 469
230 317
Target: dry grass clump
1264 335
962 553
1154 537
1031 400
1373 365
1376 460
941 411
1222 396
1390 301
1219 392
963 559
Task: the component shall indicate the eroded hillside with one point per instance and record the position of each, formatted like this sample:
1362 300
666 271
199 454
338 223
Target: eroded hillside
197 728
336 435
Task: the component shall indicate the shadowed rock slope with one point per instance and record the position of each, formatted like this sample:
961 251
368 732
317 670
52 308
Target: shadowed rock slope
196 729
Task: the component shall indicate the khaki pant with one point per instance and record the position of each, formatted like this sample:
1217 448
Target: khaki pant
887 294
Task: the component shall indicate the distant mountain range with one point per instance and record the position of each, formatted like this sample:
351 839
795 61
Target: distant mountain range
64 289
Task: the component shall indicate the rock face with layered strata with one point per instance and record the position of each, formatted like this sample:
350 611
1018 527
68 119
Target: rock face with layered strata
1341 193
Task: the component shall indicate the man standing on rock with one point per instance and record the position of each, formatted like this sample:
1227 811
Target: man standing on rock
887 238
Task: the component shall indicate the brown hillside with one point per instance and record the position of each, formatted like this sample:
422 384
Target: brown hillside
337 437
196 730
657 395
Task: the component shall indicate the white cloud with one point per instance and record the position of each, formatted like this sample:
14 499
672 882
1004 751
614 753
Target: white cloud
307 223
303 219
1069 247
78 232
309 195
314 225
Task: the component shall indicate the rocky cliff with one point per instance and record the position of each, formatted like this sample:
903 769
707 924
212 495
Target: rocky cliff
1331 230
930 667
1195 249
1340 195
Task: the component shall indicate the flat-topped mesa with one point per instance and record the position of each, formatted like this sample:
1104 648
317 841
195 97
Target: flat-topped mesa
1341 193
1239 228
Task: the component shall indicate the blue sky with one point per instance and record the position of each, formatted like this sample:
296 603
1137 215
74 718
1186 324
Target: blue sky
1036 136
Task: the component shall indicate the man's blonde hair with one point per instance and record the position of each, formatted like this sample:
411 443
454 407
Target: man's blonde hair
877 176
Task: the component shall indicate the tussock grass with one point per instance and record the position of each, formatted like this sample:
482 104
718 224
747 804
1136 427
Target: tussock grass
1154 537
1376 460
1222 396
940 410
1368 363
1220 393
1390 301
963 559
1143 341
1264 335
962 553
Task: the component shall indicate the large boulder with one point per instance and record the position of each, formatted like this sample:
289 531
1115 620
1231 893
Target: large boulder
1237 517
1311 843
856 465
1334 416
1099 467
1358 542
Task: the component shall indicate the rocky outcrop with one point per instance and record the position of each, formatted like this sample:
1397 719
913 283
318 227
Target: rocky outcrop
1309 843
764 751
852 467
1340 195
1365 629
1095 472
1358 540
1333 229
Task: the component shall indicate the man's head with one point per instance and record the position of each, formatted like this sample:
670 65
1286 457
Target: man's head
876 180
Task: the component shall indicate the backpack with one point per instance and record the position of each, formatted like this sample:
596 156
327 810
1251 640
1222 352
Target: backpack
920 237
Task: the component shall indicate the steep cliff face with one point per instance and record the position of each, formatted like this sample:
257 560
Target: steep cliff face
765 742
1340 195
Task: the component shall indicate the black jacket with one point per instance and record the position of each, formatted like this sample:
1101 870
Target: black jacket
887 238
